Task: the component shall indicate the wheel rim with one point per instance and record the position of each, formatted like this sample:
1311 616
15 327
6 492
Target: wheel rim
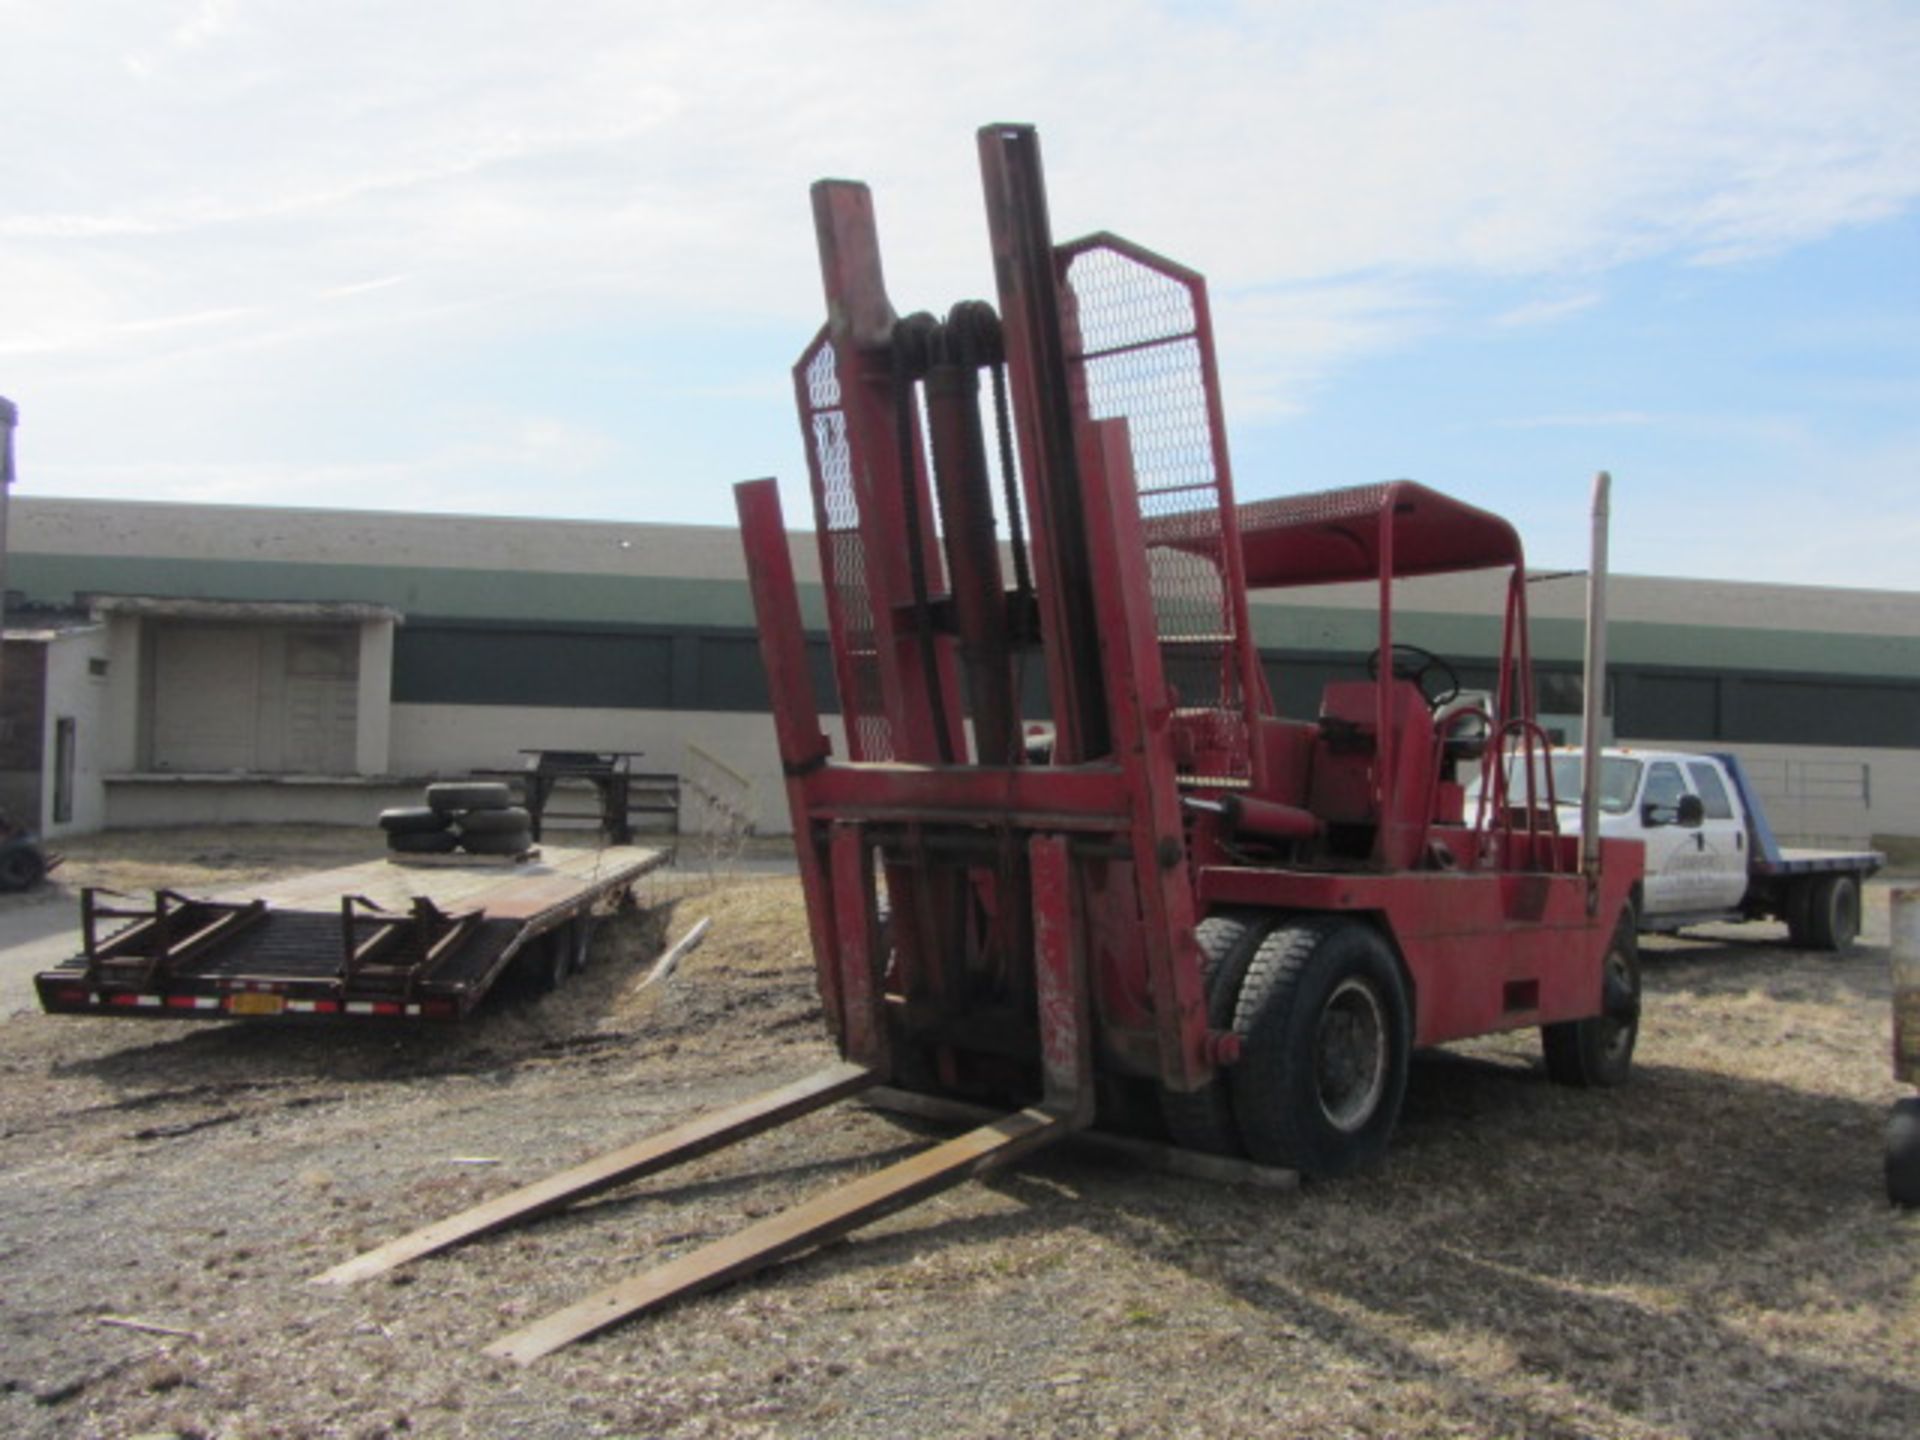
1620 1006
1350 1055
1846 916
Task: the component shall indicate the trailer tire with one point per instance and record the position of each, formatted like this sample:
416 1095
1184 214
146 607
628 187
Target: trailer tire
422 842
1203 1119
1833 913
413 820
495 822
1903 1153
1325 1033
546 962
21 867
449 796
497 842
1599 1051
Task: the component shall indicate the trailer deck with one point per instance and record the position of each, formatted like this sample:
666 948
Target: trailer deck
379 939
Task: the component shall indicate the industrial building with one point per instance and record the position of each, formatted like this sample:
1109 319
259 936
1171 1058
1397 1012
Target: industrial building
171 664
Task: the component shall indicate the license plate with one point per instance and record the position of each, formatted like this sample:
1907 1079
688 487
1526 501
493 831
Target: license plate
252 1004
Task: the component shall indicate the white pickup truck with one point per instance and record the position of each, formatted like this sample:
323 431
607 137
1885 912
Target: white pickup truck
1711 855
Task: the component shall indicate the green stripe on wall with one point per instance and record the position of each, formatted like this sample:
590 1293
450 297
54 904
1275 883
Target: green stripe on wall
653 600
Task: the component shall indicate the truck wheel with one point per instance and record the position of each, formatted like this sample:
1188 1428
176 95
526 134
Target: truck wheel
497 842
1833 913
1203 1119
495 822
1903 1153
1798 913
1325 1035
451 795
413 820
422 842
1599 1051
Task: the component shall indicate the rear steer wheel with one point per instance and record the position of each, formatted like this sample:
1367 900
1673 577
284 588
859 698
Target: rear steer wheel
1325 1035
1203 1119
1833 913
1599 1051
1903 1153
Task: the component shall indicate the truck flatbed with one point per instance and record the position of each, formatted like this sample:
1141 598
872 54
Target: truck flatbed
379 939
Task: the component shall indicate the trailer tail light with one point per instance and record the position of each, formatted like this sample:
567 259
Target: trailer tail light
439 1009
69 995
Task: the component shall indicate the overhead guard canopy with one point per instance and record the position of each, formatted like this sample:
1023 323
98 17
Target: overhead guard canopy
1335 536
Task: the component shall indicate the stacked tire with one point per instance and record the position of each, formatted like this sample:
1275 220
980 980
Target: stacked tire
474 816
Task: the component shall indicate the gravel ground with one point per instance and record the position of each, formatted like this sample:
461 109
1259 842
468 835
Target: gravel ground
1706 1253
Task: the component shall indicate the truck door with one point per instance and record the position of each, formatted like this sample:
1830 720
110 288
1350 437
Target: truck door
1674 863
1722 837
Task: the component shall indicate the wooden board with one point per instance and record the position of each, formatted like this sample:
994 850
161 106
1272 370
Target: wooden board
557 876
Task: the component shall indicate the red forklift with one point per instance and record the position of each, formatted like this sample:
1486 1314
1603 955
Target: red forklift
1063 856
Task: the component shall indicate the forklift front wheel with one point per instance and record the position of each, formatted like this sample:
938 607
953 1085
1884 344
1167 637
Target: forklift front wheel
1325 1037
1599 1051
1203 1119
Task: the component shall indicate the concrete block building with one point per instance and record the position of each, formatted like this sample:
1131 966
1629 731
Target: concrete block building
178 663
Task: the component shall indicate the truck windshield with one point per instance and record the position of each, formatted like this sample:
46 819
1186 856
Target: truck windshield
1619 781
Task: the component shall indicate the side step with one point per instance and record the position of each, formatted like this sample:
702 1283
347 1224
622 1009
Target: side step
645 1157
810 1223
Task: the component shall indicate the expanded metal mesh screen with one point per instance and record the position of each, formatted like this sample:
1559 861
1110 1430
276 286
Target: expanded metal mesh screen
843 561
1137 342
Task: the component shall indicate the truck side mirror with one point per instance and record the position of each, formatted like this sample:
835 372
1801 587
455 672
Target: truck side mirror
1691 811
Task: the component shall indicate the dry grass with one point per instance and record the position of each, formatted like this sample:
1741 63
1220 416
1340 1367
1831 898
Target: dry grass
1703 1254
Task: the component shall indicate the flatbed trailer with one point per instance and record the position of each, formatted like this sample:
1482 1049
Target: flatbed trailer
381 940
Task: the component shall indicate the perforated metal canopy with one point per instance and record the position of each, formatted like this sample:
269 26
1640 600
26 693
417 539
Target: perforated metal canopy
1338 535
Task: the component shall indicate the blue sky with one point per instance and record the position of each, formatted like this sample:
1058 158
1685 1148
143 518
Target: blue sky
555 259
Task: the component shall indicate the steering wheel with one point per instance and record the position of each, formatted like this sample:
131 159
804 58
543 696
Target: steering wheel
1434 677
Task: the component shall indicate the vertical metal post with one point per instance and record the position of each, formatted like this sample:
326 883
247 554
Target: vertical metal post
1593 685
1023 262
796 718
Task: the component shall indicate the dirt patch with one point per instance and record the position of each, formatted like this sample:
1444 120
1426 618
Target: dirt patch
1705 1253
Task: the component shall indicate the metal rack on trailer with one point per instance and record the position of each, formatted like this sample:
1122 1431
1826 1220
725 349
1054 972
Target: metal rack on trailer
384 939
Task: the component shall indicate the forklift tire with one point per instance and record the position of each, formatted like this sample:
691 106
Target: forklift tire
497 842
21 868
1599 1051
413 820
495 822
1833 913
1903 1153
1325 1037
1203 1119
448 796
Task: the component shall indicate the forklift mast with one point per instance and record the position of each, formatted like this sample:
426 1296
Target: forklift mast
1104 412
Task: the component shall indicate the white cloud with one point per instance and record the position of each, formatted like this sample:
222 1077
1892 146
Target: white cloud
1546 312
228 174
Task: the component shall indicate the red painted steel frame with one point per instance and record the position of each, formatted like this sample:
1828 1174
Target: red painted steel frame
1088 864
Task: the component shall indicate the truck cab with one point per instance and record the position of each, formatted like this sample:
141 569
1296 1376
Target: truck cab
1710 851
